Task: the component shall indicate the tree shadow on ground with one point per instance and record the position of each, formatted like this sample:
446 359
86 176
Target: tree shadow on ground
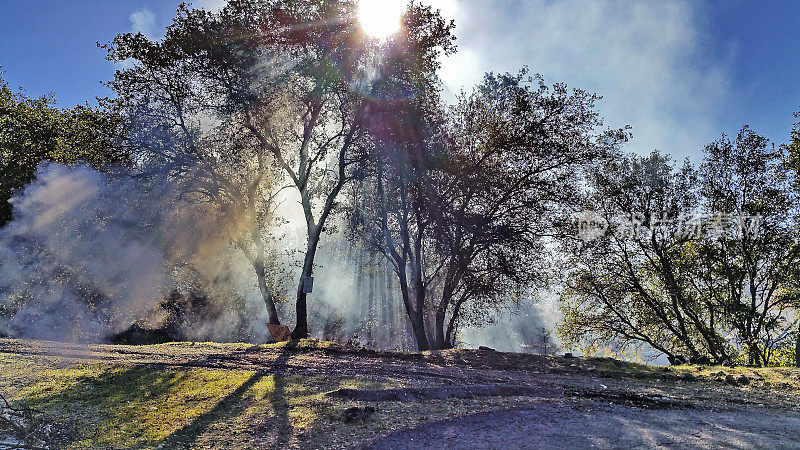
112 390
235 404
110 397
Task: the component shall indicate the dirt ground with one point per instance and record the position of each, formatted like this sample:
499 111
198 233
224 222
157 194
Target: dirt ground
585 424
503 400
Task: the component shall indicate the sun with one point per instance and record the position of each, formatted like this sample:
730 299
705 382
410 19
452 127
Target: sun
380 18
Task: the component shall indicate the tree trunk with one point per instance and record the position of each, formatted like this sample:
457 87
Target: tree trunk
414 316
266 294
797 350
754 355
418 325
301 328
441 341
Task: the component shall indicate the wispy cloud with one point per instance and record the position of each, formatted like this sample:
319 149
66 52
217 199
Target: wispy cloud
143 21
647 59
210 5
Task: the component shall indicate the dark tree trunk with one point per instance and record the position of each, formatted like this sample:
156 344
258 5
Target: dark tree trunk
266 294
441 340
418 325
797 350
754 355
301 328
415 317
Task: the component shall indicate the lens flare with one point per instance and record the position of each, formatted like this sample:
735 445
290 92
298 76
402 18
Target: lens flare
380 18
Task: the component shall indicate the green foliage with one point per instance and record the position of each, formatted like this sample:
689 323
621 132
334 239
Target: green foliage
33 130
681 267
793 148
783 357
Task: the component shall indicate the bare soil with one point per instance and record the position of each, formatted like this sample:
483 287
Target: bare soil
583 424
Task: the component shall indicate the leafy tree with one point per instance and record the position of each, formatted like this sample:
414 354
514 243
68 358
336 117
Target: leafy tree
287 82
701 266
793 150
634 283
390 211
747 178
466 199
33 130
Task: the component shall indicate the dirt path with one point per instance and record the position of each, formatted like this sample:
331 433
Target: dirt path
584 424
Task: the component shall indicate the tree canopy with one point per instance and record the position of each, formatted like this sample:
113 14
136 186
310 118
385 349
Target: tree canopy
691 261
33 130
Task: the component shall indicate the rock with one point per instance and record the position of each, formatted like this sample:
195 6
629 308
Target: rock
730 379
718 374
568 355
742 379
685 376
356 414
486 349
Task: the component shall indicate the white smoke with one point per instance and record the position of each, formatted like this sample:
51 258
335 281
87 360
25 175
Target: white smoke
88 254
529 327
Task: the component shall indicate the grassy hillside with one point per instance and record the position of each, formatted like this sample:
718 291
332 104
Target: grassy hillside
106 402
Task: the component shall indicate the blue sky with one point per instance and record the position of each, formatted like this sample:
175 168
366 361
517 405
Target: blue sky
680 73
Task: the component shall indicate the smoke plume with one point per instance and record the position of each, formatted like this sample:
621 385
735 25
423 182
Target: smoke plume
88 254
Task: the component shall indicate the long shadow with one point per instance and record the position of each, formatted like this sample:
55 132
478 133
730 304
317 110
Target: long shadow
280 406
113 391
233 404
109 396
